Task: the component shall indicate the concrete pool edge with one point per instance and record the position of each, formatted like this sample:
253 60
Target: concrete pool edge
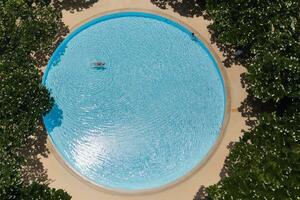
211 151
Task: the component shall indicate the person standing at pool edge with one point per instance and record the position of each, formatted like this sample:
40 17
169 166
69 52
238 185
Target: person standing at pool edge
193 36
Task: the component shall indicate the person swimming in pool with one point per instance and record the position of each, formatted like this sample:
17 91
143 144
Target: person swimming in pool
99 64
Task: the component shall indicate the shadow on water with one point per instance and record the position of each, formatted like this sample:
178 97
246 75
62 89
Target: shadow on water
36 148
36 145
187 8
99 68
54 118
42 56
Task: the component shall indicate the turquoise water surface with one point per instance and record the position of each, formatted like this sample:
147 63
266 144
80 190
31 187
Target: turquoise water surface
147 118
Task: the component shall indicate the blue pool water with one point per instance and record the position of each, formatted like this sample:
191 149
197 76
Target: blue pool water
145 120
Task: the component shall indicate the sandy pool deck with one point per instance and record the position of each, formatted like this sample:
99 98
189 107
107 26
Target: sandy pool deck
206 174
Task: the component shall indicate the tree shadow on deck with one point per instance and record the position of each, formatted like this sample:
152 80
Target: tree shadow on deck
42 56
36 145
186 8
249 109
36 148
196 8
232 54
201 194
33 169
73 5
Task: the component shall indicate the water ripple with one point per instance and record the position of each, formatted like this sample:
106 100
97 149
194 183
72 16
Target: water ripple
145 120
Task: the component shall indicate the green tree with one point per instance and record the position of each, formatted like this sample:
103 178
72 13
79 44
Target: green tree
43 192
274 71
268 35
265 163
27 27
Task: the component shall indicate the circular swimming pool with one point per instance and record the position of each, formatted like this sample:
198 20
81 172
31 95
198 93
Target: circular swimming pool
139 101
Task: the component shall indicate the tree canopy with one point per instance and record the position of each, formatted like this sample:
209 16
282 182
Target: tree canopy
268 35
27 27
265 163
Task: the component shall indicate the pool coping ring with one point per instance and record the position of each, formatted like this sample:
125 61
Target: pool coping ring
203 161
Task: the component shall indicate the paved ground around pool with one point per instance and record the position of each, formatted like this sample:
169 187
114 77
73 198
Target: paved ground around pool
209 173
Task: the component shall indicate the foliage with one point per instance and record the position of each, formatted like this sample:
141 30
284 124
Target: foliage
274 71
10 181
246 23
265 37
22 95
43 192
187 8
268 35
265 163
26 28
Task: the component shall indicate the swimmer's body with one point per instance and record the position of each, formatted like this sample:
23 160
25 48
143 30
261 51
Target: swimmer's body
99 64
